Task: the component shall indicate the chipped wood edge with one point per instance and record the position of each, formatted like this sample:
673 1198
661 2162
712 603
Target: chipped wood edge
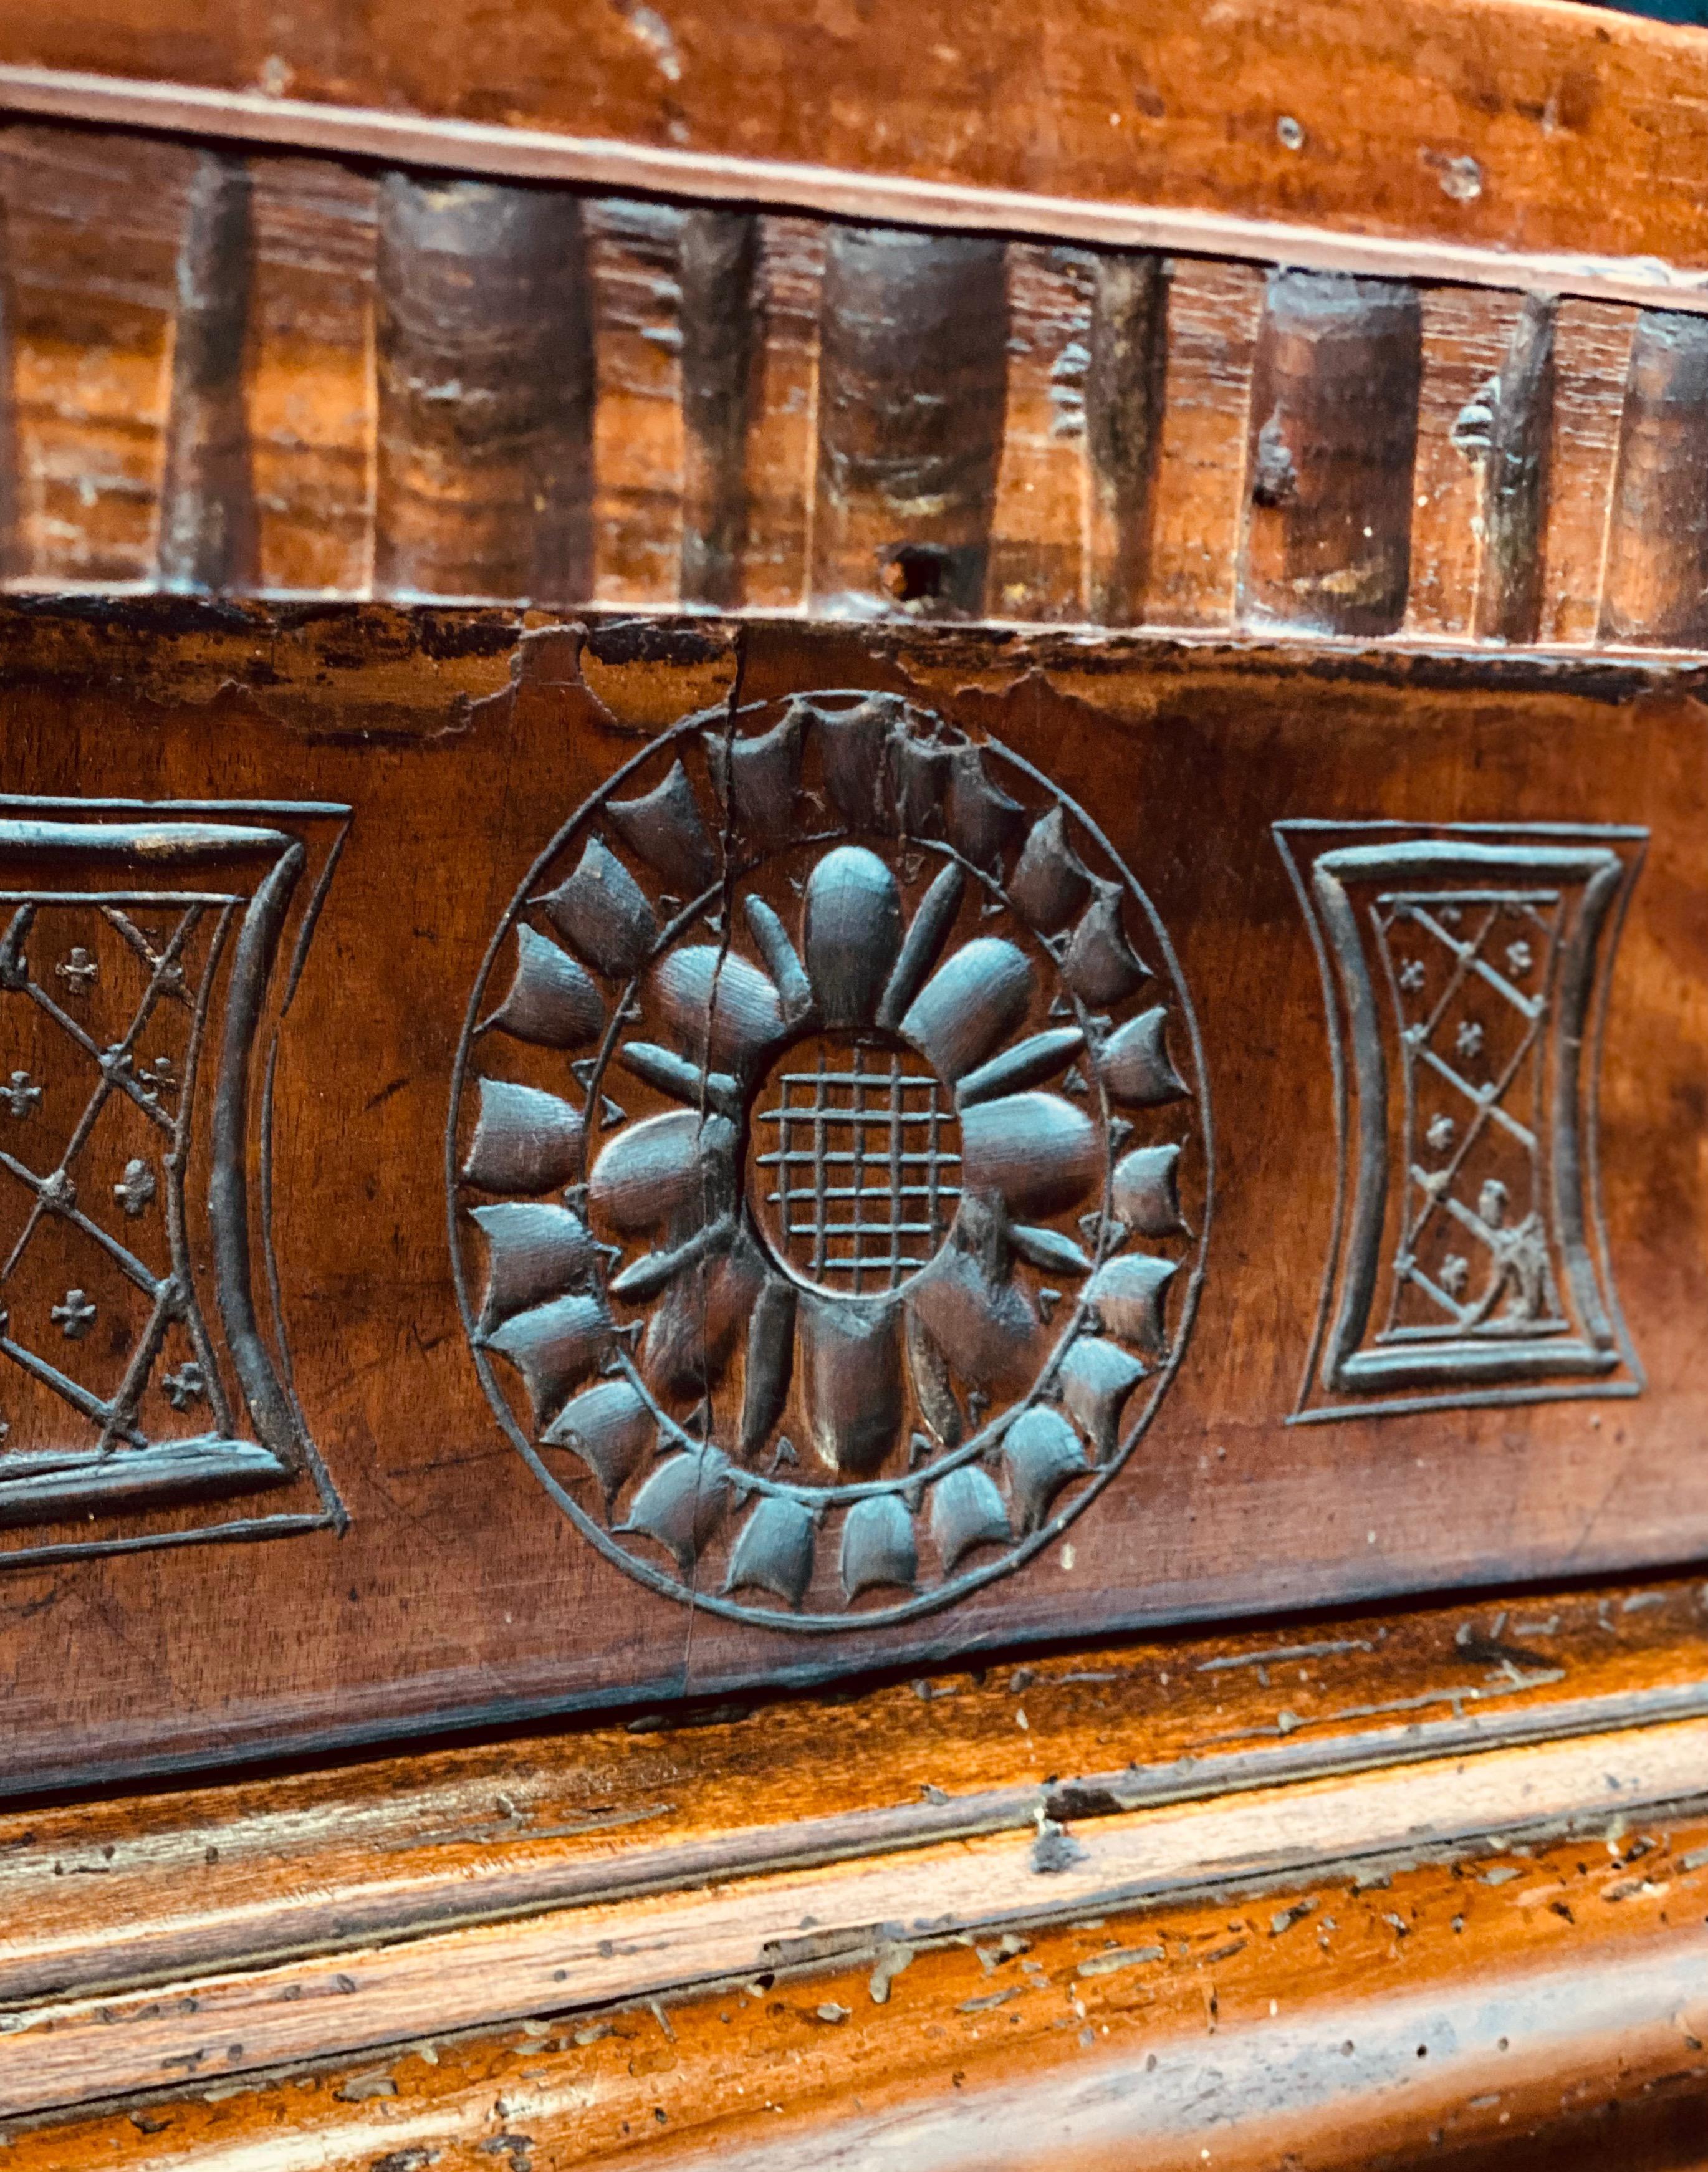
539 154
213 2027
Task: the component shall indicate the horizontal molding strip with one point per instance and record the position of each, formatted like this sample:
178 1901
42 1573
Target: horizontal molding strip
213 2026
495 152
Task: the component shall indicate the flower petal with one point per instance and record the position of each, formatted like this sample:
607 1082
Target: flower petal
694 1329
878 1547
534 1251
1028 1063
611 1428
718 1008
988 1327
649 1172
1043 1453
934 1391
921 771
1145 1191
773 1551
852 744
683 1504
1135 1063
1096 1378
665 827
1099 964
1128 1295
602 912
554 1348
552 1001
771 1356
1049 1249
853 933
980 817
1037 1150
850 1367
793 988
1050 883
975 997
926 933
683 1081
966 1511
524 1140
757 777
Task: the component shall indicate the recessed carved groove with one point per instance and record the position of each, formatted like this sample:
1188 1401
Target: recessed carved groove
1516 480
718 265
207 513
1123 425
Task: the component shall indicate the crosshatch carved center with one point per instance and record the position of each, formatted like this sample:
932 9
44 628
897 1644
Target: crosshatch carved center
854 1155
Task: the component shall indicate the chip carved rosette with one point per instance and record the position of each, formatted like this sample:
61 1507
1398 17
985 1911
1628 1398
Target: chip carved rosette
830 1162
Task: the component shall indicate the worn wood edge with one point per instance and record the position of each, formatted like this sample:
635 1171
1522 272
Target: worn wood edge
538 154
1255 2023
1317 2090
230 2023
325 1917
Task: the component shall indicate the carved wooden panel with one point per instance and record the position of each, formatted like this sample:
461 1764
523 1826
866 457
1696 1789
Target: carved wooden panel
692 1153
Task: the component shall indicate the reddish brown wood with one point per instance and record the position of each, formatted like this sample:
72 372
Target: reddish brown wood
483 391
1332 437
1123 418
720 350
910 384
1657 542
207 516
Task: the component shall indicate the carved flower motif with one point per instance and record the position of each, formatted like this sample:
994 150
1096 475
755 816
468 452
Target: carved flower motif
865 1244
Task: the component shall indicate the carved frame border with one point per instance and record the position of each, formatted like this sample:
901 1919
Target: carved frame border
192 833
1335 1363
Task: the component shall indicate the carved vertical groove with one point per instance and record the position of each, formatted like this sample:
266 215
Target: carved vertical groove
207 513
1123 426
719 266
1516 480
1657 583
484 365
911 391
11 492
1332 441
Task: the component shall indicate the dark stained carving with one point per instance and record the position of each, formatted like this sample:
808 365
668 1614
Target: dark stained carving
1464 973
485 391
870 1227
148 959
1333 431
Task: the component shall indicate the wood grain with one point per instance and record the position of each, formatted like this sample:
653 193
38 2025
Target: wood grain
1509 129
483 393
1329 455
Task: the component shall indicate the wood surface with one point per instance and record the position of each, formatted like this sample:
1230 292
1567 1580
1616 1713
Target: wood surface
1520 1911
462 741
1516 126
302 375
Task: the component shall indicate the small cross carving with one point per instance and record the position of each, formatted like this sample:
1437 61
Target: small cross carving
188 1385
20 1093
157 1077
76 1316
79 971
136 1189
